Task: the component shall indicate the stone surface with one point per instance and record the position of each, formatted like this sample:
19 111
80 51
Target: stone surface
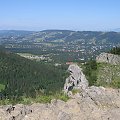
94 103
108 58
91 103
76 79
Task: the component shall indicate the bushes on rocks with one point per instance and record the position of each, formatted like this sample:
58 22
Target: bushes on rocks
115 50
90 71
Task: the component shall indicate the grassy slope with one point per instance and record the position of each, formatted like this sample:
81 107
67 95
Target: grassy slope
108 75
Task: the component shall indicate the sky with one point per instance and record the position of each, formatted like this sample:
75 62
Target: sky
100 15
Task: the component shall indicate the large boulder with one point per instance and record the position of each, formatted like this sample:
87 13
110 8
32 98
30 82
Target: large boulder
76 79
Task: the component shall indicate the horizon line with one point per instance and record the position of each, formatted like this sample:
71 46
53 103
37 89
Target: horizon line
113 30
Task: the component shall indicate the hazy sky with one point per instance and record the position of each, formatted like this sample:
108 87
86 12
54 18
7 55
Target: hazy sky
60 14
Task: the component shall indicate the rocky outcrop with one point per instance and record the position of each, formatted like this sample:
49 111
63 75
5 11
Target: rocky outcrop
91 103
108 58
76 79
94 103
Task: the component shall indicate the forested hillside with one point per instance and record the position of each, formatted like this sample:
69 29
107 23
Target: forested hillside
115 50
23 77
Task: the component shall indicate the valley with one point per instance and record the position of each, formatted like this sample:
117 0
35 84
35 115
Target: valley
60 45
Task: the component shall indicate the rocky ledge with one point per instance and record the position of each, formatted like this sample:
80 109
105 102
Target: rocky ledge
96 103
108 58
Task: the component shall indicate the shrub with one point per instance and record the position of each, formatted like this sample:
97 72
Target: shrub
89 70
74 91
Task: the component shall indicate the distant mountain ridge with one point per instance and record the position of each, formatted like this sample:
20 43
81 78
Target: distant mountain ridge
117 30
64 36
14 32
68 36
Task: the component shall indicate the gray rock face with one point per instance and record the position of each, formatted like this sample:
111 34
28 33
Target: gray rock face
108 58
76 79
18 113
94 103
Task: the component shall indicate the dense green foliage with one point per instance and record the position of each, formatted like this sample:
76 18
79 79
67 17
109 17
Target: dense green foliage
23 77
115 50
89 70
